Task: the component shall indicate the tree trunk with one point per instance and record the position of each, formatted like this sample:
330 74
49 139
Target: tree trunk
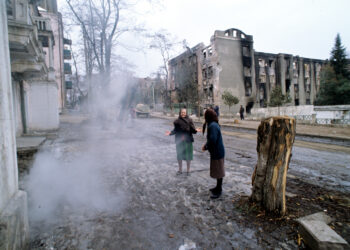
274 147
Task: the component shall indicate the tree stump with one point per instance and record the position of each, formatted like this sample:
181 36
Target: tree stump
274 147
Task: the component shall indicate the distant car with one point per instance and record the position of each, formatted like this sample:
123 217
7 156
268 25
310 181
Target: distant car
142 110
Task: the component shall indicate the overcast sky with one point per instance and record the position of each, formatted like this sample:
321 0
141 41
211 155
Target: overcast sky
300 27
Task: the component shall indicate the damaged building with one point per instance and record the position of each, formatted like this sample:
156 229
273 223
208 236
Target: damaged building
231 63
35 34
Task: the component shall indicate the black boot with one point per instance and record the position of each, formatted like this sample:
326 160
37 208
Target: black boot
216 192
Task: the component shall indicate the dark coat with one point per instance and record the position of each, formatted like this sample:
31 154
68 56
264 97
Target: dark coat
215 144
183 130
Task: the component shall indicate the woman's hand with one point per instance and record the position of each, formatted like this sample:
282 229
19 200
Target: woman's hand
203 148
167 133
198 130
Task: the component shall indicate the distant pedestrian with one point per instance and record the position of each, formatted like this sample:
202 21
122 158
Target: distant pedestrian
216 109
183 131
241 112
216 148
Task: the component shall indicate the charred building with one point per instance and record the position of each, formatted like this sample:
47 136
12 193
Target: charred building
231 63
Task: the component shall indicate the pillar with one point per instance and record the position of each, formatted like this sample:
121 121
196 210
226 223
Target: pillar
50 53
282 73
291 78
312 83
13 203
301 82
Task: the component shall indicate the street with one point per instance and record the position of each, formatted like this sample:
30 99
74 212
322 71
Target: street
114 186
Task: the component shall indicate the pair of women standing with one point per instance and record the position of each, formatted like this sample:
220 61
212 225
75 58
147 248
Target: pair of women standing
214 144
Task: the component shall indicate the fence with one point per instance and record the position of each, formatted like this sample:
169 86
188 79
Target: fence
308 114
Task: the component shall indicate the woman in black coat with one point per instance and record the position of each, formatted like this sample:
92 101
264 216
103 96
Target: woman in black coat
183 131
216 148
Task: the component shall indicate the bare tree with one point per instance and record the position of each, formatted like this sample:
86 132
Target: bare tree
165 44
99 21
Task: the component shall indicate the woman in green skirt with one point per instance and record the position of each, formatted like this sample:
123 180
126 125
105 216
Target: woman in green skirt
183 131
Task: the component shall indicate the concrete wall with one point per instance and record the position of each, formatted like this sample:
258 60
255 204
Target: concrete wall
58 62
16 99
42 112
230 58
337 114
289 111
13 203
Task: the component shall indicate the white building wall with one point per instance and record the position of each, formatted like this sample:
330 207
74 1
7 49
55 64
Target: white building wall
13 203
289 111
16 99
42 99
57 29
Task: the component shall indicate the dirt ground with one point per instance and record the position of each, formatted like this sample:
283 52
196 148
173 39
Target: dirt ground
115 187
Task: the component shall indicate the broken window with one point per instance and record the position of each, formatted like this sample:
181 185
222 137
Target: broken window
307 70
204 74
204 54
246 51
296 90
210 72
295 70
247 86
210 51
308 89
261 63
9 7
287 85
247 71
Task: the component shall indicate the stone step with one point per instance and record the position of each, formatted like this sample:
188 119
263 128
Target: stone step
318 235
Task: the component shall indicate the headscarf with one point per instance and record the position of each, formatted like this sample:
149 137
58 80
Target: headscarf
185 123
209 116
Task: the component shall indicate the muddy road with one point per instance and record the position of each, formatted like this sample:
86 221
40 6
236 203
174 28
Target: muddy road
115 187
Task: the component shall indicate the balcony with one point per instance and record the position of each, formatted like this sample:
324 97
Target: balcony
67 69
67 55
67 41
43 23
69 84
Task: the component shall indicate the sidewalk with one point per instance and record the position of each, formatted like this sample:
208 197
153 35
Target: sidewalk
29 143
73 117
339 133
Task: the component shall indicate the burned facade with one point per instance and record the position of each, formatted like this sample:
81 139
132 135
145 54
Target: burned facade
231 63
185 69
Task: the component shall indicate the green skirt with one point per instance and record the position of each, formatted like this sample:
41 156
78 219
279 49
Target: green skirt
184 151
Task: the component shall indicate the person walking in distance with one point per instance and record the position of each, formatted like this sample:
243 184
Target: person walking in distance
216 148
183 131
241 112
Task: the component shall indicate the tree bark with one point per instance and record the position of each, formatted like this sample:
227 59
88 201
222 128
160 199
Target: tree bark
274 147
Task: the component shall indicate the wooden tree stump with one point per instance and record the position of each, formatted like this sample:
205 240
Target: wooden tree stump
274 147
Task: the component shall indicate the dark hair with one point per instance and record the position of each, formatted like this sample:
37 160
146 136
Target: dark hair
209 116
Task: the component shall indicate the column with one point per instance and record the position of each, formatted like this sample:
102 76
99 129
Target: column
13 203
312 83
291 78
50 53
282 73
301 84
